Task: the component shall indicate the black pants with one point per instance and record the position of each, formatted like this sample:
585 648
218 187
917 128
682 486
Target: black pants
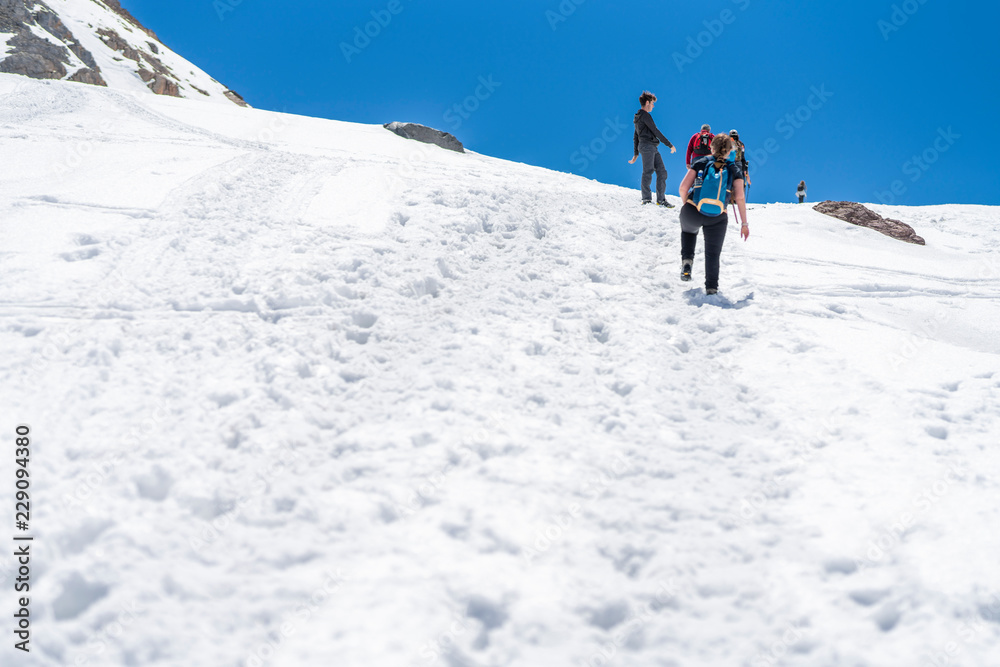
715 236
802 198
651 161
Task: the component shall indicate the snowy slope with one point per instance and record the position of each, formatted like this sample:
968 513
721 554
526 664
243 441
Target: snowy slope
307 393
102 43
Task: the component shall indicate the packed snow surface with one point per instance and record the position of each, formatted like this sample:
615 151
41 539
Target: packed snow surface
303 392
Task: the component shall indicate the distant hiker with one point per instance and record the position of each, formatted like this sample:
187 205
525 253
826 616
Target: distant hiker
706 191
740 157
645 141
700 145
801 192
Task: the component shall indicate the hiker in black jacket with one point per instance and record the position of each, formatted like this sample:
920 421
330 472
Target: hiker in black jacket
645 142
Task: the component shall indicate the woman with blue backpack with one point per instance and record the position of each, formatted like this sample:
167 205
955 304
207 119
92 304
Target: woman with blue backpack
706 190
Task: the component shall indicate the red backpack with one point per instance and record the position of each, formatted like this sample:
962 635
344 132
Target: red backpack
704 145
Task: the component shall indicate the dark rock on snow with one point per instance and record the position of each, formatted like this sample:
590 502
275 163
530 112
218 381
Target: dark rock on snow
116 43
117 8
36 56
856 214
427 135
162 82
235 98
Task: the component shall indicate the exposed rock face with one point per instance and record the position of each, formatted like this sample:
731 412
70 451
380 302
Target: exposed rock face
162 82
856 214
427 135
236 98
117 8
116 43
37 57
43 46
88 76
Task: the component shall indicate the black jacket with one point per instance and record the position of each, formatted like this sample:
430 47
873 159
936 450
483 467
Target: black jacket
646 131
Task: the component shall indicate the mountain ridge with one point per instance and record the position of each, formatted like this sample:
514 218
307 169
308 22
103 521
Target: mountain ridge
98 42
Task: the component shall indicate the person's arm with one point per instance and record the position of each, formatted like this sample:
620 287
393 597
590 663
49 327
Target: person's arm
651 124
635 143
687 159
686 184
741 204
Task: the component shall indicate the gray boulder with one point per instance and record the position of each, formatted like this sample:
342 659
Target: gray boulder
427 135
860 215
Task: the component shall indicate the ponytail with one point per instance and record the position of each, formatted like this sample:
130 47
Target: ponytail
722 145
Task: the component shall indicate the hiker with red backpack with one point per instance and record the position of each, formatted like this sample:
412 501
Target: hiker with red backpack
706 192
700 145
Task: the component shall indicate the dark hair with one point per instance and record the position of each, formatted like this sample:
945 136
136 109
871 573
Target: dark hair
721 146
802 184
646 97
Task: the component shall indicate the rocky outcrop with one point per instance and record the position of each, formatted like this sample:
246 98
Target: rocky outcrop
116 43
161 80
40 43
427 135
54 26
116 7
236 98
160 84
34 56
860 215
87 76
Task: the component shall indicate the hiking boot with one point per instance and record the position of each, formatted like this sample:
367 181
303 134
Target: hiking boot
647 201
665 203
686 265
711 290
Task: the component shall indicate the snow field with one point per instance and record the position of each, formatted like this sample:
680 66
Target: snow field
304 389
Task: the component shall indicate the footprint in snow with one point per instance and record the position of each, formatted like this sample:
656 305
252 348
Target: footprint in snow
939 432
88 252
154 485
77 596
697 297
600 332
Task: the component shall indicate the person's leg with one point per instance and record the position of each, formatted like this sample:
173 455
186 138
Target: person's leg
689 240
648 167
802 198
661 179
715 236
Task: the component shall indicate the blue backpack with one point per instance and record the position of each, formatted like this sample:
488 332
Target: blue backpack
711 190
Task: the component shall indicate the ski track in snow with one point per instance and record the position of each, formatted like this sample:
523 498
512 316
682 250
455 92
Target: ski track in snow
334 397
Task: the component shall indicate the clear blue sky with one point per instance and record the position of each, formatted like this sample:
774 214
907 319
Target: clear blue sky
924 83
